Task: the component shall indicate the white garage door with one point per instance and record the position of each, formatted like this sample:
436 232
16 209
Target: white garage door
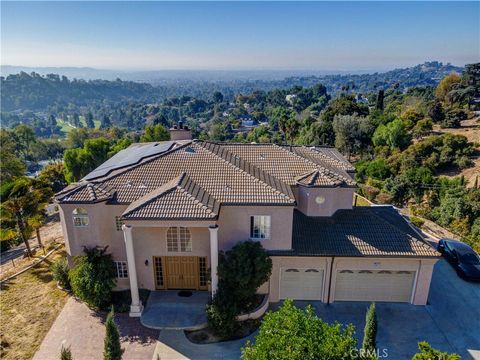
370 285
301 284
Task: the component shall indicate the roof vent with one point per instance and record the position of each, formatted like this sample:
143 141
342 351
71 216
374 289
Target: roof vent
190 150
262 157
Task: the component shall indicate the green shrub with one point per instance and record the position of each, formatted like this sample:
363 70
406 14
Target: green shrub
60 273
112 349
65 354
418 222
93 277
428 353
291 333
241 271
221 316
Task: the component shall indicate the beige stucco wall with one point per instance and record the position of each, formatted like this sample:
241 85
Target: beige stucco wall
101 230
335 198
234 225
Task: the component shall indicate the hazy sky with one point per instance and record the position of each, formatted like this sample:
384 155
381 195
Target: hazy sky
234 35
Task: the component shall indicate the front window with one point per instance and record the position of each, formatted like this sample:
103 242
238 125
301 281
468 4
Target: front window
122 269
80 217
179 239
260 227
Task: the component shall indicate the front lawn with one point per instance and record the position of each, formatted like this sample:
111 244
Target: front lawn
29 304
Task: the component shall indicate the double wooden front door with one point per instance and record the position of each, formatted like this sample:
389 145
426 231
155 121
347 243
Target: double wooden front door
178 272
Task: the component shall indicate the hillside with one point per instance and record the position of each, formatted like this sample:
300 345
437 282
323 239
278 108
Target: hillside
34 92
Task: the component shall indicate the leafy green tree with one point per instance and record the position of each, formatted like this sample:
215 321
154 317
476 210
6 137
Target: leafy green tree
352 133
106 122
446 85
369 344
436 112
112 348
11 166
120 145
380 100
217 97
25 137
23 202
93 277
343 105
318 133
291 333
89 120
155 133
79 162
429 353
394 135
53 176
289 127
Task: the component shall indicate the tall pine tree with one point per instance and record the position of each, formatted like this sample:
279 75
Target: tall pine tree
112 349
369 344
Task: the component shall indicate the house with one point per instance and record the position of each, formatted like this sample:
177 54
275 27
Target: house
166 209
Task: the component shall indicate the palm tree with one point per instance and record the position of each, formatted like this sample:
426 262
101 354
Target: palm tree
22 204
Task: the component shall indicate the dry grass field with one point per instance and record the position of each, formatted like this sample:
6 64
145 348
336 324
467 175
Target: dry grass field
29 304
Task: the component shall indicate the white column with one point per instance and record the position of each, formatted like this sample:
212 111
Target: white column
214 257
136 307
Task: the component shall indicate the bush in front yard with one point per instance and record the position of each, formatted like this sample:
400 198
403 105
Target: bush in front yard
60 273
241 271
221 316
291 333
429 353
93 277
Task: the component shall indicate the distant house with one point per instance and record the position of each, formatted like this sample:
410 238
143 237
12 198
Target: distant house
290 98
166 210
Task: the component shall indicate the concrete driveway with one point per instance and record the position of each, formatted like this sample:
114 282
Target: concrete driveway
450 321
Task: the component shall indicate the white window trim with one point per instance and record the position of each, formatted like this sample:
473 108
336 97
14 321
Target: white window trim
269 228
121 266
179 244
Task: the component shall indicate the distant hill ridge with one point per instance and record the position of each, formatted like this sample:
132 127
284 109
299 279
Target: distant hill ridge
36 92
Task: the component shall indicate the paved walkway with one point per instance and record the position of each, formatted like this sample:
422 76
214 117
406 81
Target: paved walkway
173 345
82 329
167 310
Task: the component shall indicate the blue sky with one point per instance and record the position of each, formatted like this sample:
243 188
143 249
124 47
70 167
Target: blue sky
239 35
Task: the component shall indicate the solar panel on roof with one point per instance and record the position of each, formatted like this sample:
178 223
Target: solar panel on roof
130 156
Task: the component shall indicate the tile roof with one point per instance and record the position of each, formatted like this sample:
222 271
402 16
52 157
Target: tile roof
180 198
229 182
287 165
363 231
324 156
232 174
84 193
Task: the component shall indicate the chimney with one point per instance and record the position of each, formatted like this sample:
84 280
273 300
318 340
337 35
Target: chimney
180 132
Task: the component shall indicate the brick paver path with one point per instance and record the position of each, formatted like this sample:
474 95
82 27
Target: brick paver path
82 329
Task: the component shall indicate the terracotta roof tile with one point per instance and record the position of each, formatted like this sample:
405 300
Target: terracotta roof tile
286 165
84 192
179 198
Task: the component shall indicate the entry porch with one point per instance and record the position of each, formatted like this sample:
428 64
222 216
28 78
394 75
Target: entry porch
170 255
175 310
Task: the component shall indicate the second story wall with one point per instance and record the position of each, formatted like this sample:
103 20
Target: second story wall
323 201
235 221
100 231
